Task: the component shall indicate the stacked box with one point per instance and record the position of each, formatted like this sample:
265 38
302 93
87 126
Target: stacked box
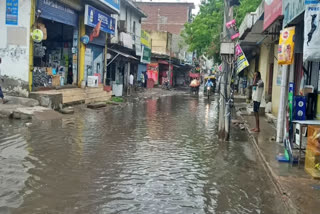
314 136
311 160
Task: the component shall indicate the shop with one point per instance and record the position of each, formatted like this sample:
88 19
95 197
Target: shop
98 25
55 51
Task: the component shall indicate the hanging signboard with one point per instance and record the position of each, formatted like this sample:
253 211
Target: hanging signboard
286 46
93 16
145 38
12 12
242 61
311 47
232 29
272 11
114 4
146 55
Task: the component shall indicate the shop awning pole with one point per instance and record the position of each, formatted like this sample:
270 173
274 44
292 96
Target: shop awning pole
113 59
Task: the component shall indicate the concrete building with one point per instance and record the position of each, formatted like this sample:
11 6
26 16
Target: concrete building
166 16
125 48
14 48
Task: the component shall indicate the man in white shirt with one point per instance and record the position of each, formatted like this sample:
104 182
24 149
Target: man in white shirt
257 91
131 78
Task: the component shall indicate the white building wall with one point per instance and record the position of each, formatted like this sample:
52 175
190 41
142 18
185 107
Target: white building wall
14 49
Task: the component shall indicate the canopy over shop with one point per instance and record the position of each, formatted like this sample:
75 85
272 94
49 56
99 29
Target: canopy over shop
55 54
121 64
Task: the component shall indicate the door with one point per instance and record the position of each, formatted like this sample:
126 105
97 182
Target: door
270 79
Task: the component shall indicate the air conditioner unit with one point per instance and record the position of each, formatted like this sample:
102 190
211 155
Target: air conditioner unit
122 26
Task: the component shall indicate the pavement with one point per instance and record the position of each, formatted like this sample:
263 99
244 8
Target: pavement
299 191
26 109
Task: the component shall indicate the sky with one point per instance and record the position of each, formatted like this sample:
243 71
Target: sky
196 2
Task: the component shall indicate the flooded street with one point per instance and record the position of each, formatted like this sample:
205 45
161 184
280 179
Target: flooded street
158 156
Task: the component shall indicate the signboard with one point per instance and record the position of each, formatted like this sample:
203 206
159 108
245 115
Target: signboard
12 12
242 61
55 11
114 4
286 46
145 38
146 55
292 9
272 11
93 16
232 29
311 46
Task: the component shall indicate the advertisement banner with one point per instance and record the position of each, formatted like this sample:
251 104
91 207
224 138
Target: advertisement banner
286 46
114 4
311 47
12 12
272 11
232 29
145 38
93 16
242 61
146 55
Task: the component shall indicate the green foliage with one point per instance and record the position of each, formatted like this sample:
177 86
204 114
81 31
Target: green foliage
117 99
203 34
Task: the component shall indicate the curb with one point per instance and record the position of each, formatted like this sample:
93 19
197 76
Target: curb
289 204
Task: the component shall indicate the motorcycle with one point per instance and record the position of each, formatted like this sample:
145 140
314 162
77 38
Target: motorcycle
208 91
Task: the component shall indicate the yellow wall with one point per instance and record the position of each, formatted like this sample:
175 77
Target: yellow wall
276 89
82 51
159 42
264 66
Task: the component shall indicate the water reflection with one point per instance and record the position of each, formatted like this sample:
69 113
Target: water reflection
161 156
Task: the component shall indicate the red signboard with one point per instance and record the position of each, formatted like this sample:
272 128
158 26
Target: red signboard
272 11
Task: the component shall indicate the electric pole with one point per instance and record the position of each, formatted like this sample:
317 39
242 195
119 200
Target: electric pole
227 62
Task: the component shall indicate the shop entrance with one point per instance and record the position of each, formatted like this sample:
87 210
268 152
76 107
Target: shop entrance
94 59
55 59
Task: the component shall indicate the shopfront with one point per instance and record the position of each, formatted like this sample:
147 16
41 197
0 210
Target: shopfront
55 45
98 25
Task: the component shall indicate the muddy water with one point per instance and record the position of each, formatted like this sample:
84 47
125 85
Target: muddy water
161 156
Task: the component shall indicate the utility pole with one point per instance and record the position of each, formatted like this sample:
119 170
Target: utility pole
227 60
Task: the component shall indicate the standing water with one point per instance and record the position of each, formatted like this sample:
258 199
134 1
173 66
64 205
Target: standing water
160 156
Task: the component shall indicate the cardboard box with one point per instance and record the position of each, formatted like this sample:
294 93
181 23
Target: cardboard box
56 80
312 159
314 136
49 71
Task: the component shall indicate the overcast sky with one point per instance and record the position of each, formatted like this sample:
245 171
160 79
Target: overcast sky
196 2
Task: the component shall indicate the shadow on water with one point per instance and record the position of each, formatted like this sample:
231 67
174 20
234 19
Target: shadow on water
161 156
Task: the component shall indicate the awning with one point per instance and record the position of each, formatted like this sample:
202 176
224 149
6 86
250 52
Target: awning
122 54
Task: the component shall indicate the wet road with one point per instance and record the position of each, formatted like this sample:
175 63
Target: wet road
161 156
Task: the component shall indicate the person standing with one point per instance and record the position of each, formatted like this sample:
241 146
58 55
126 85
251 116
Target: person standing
145 79
141 79
131 80
257 91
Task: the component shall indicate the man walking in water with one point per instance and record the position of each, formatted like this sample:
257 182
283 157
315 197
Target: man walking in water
257 90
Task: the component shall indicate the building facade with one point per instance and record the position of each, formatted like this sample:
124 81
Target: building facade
166 16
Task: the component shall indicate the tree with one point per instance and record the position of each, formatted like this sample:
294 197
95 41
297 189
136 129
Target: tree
203 34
